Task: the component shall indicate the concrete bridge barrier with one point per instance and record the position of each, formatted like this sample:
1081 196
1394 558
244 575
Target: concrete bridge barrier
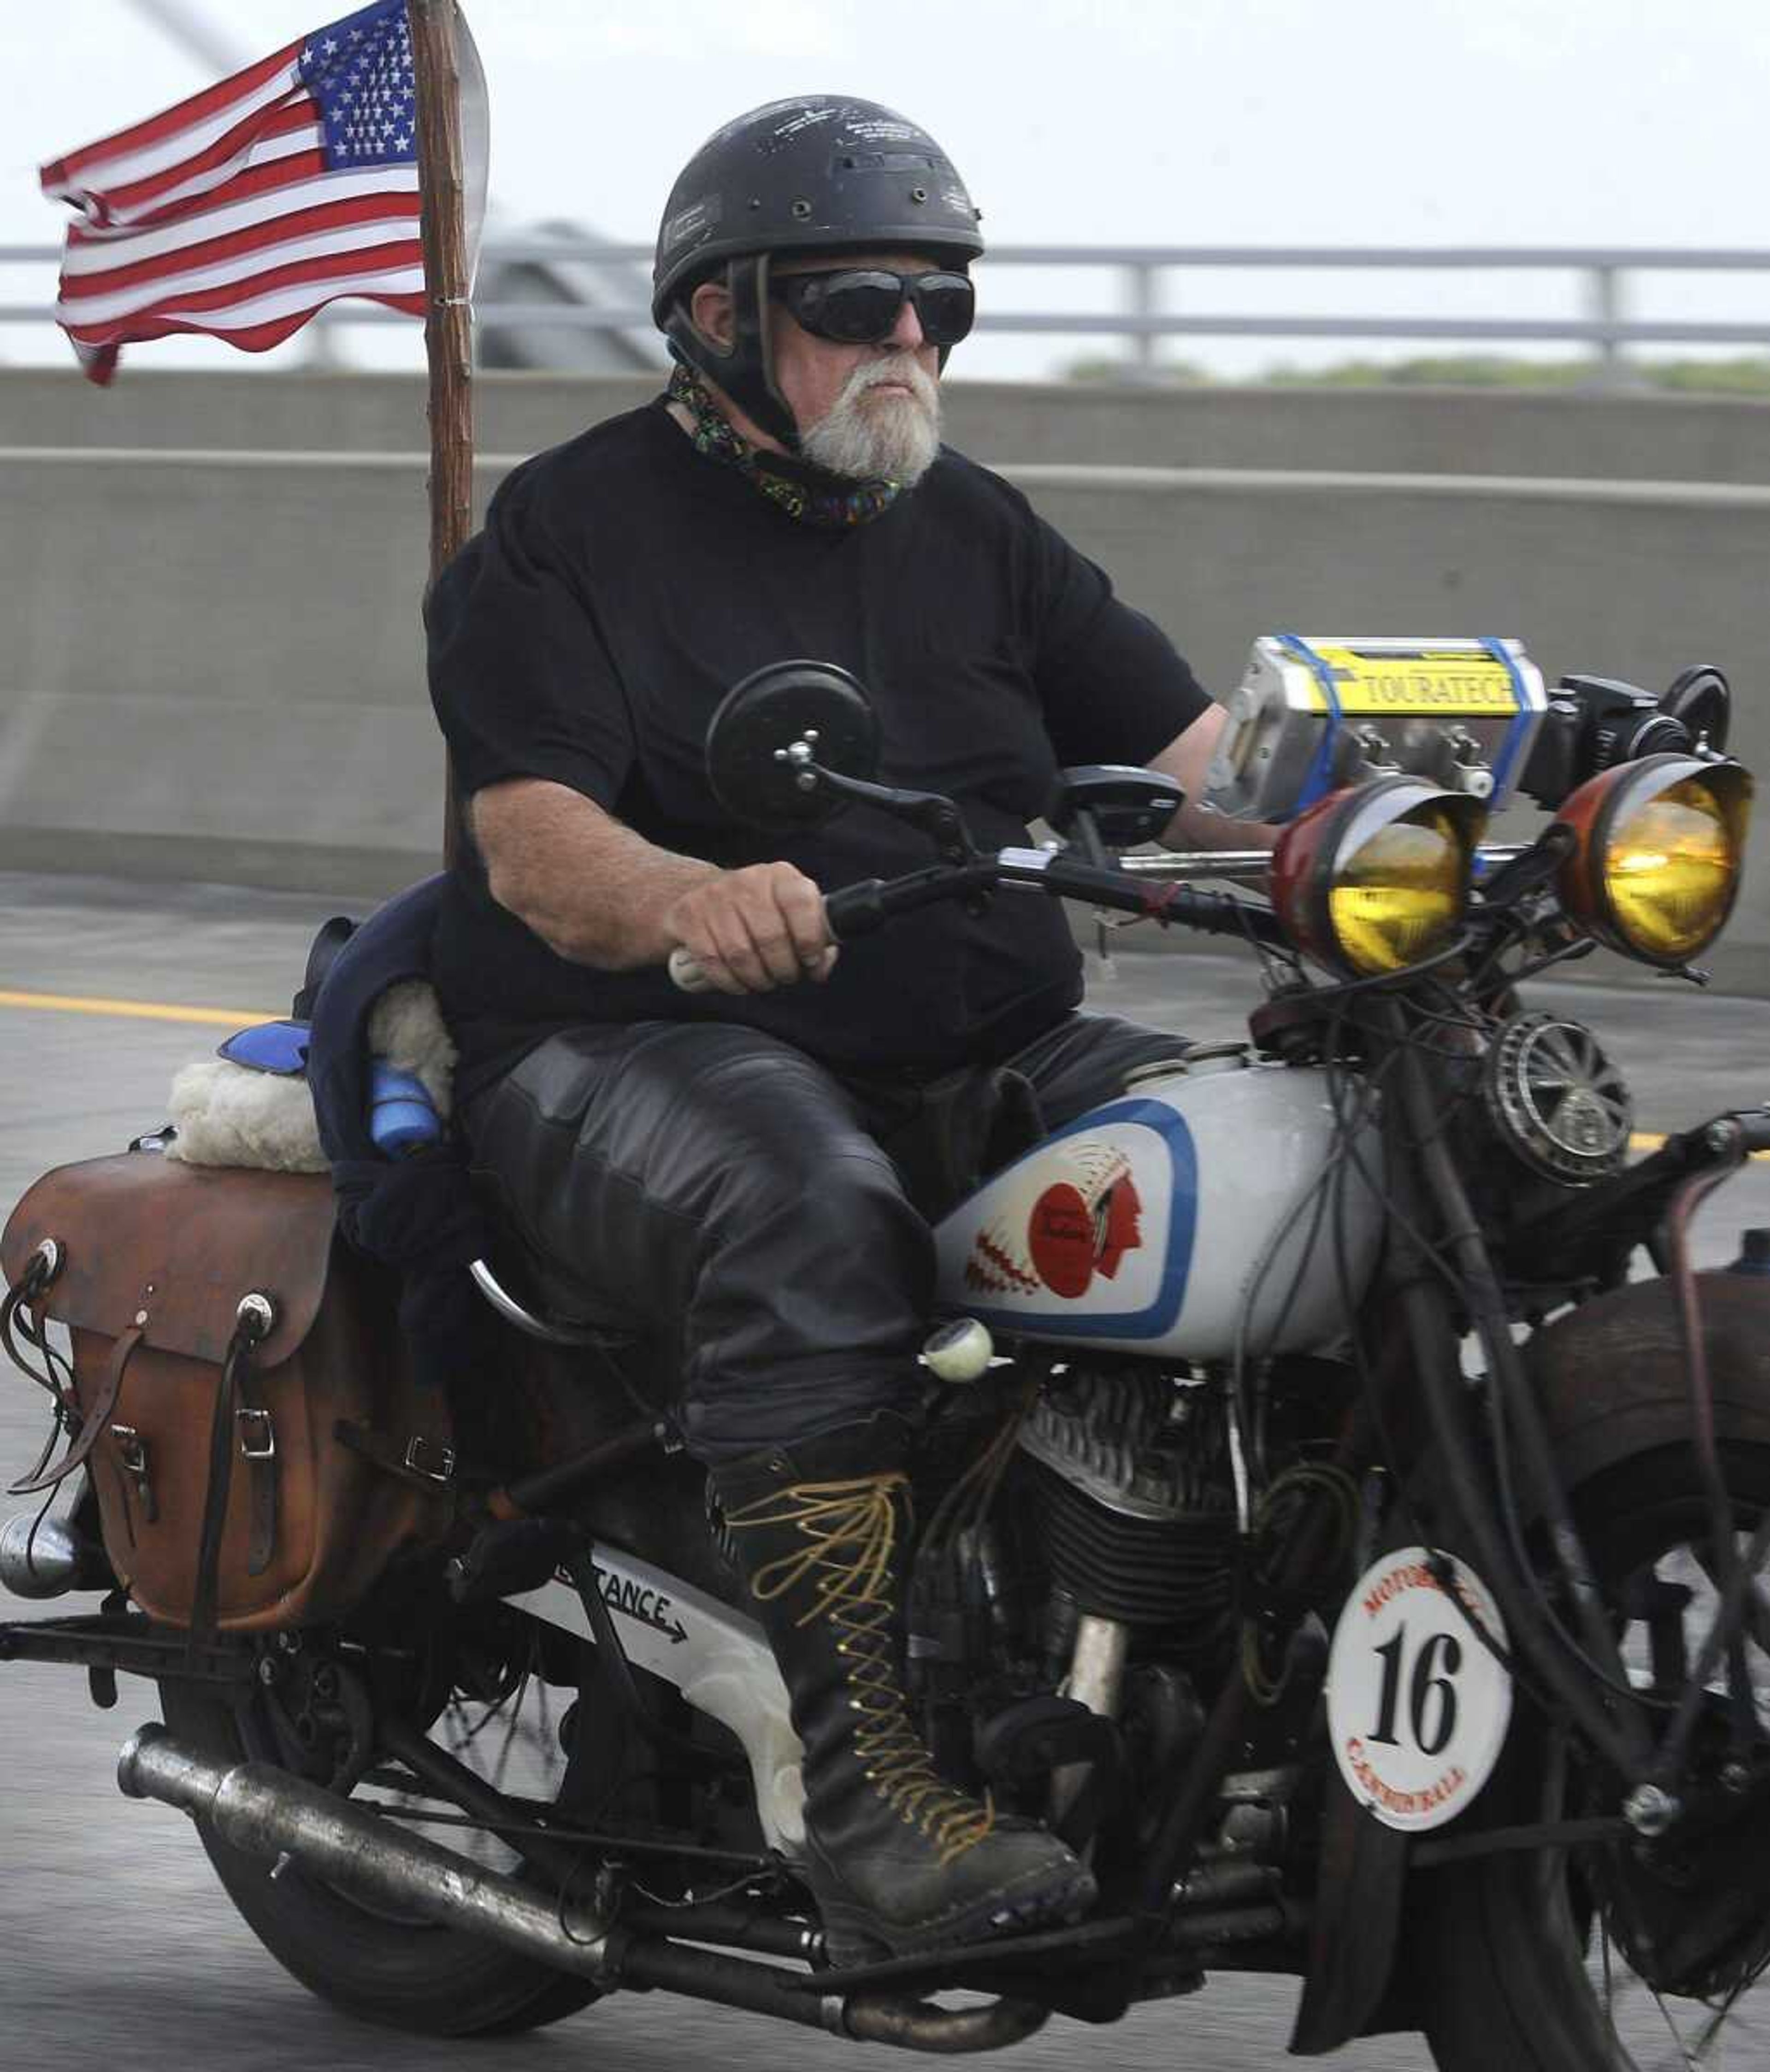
1650 438
214 669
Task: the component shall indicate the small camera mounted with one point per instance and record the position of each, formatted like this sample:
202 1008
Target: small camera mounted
1593 723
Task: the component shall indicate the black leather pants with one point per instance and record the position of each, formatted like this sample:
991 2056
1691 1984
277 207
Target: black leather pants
709 1186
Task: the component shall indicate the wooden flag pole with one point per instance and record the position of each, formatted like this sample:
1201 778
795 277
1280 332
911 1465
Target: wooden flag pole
448 327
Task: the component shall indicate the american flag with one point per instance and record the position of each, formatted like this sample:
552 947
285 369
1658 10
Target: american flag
242 211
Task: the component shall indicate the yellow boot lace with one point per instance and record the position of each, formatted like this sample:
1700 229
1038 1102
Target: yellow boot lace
851 1533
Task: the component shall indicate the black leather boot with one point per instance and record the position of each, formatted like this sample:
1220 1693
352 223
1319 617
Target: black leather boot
898 1860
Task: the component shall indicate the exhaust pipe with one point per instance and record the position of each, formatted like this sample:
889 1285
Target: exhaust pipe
44 1557
263 1811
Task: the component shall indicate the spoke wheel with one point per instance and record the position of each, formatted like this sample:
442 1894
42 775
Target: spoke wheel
1644 1957
504 1722
497 1706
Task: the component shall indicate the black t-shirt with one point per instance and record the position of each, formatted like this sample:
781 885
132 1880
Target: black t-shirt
624 582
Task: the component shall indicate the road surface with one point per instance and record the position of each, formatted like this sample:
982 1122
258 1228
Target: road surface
120 1954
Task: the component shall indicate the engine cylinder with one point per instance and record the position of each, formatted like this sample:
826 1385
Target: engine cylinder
1167 1572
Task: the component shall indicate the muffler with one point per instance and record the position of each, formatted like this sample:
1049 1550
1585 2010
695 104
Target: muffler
44 1557
263 1811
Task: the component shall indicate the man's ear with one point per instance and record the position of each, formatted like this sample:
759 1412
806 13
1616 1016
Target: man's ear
710 312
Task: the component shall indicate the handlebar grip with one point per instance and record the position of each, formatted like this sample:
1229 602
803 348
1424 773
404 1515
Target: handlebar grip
855 910
686 975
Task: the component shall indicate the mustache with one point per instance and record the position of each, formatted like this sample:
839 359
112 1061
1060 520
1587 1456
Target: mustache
900 443
902 367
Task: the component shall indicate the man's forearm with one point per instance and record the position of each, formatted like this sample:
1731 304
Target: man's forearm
1197 827
593 890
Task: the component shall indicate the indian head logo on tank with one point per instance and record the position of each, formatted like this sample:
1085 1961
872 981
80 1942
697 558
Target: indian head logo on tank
1074 1229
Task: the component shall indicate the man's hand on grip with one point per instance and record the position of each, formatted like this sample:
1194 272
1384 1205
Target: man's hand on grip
755 929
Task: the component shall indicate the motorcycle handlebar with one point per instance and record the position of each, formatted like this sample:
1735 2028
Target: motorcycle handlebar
862 909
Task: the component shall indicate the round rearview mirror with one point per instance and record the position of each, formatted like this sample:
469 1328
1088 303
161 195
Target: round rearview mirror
1702 701
771 728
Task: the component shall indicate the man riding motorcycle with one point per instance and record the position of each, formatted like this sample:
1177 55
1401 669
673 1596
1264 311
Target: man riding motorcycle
716 1169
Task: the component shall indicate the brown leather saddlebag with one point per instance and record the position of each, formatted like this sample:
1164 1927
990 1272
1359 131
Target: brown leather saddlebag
337 1459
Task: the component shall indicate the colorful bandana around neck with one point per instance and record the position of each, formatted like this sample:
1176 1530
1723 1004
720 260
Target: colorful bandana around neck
803 491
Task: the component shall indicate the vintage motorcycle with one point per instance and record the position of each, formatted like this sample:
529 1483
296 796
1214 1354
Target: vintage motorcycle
1318 1526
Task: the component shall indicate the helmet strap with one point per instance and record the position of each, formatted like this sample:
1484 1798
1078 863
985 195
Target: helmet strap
745 369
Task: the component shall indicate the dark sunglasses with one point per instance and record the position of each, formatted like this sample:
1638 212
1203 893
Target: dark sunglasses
861 305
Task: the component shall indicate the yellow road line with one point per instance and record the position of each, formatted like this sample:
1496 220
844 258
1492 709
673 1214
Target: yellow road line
1646 1141
135 1010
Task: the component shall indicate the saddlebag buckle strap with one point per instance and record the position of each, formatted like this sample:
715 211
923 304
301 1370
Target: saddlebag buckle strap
425 1457
94 1421
254 1320
132 1458
258 1434
426 1463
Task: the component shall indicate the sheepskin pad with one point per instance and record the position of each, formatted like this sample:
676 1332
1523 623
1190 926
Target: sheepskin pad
226 1115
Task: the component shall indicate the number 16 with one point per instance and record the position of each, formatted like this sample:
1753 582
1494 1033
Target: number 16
1442 1649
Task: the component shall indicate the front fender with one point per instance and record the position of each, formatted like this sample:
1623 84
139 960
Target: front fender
1613 1376
1613 1381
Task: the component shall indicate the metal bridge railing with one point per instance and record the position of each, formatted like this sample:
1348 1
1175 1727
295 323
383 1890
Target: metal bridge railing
1140 315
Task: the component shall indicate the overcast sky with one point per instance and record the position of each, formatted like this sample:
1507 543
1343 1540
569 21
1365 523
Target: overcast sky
1077 122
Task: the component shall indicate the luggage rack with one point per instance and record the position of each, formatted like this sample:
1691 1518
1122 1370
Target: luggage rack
104 1642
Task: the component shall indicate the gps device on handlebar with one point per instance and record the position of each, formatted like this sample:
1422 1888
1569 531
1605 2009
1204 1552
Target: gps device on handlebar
1313 716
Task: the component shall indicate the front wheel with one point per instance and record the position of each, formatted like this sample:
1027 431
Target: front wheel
500 1715
1630 1957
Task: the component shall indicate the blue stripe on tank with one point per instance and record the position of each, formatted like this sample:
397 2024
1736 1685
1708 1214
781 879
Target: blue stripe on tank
1158 1316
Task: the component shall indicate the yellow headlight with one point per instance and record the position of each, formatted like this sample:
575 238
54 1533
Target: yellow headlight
1659 848
1670 868
1400 896
1377 879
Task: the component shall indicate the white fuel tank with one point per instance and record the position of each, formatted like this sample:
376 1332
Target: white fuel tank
1144 1225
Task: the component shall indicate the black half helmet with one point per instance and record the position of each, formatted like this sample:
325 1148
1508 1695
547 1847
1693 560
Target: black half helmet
819 172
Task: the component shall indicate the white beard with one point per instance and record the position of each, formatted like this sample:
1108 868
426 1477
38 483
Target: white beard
891 437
